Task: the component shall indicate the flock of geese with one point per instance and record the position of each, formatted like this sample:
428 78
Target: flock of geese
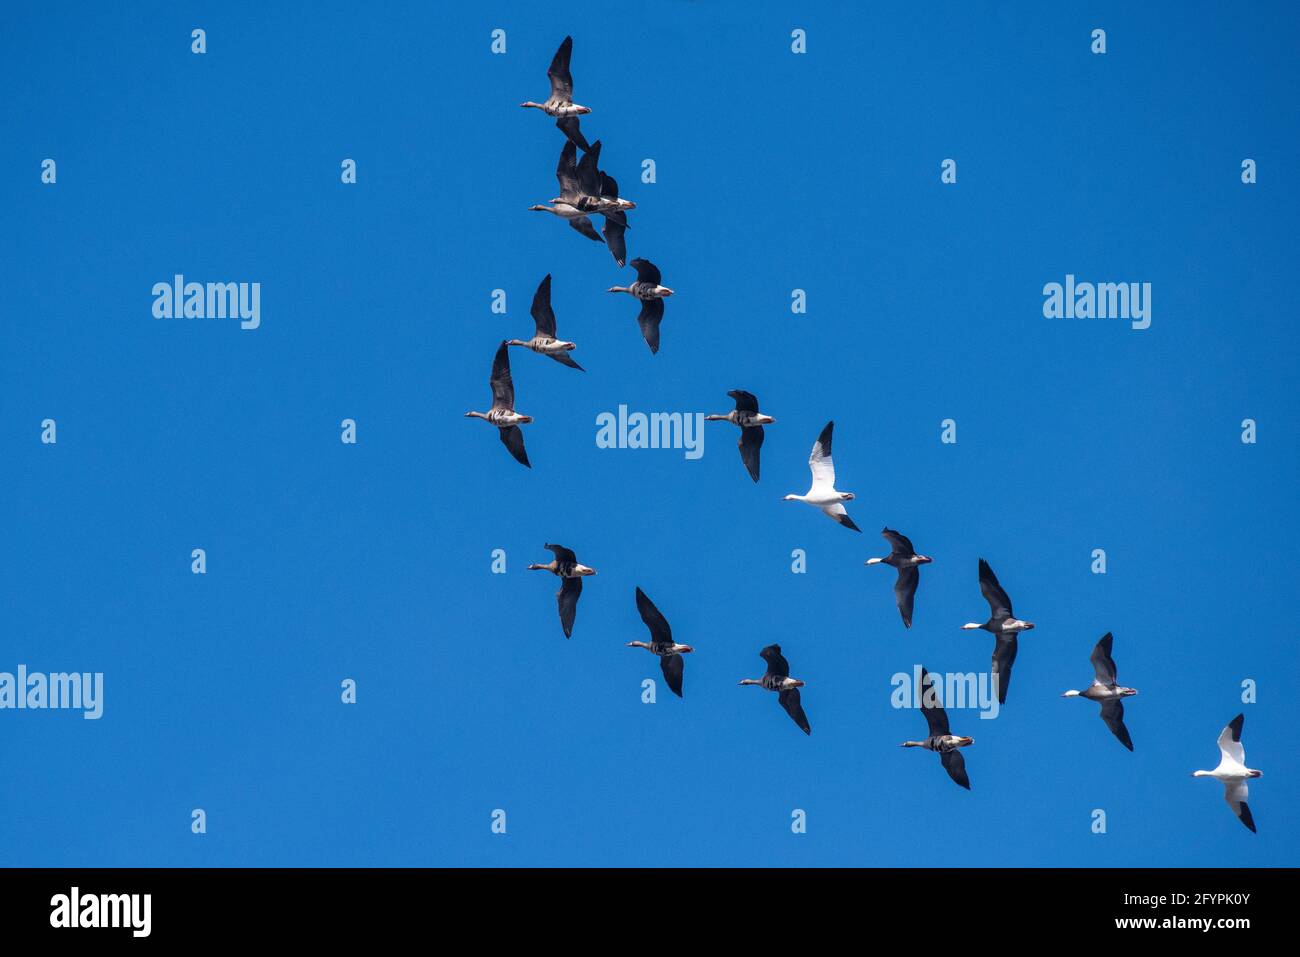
586 190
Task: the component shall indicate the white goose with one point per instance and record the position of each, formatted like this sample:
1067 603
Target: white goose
823 493
1232 771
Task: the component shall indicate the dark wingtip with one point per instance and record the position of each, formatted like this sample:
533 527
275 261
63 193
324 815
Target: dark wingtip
1235 725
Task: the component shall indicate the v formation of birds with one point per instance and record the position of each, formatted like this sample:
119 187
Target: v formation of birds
586 191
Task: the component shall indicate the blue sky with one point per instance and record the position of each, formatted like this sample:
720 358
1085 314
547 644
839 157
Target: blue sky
774 171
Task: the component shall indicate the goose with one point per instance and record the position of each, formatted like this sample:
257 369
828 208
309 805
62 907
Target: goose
543 341
661 643
823 494
1003 625
751 422
940 738
905 558
778 679
567 205
1107 691
1232 771
503 414
647 288
560 103
598 193
565 565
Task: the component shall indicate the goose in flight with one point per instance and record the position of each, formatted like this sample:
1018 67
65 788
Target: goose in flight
566 567
823 494
751 422
568 205
940 738
598 193
1232 771
661 643
560 103
503 414
778 679
1106 690
1003 625
543 340
903 557
647 288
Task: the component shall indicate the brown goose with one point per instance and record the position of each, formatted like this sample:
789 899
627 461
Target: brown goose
560 103
751 422
1106 690
940 738
565 565
778 679
503 414
903 557
661 643
647 288
1003 625
543 341
568 205
598 193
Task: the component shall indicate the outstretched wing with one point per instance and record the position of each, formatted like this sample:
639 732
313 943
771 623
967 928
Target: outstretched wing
589 172
1230 741
840 514
572 129
654 620
745 401
615 227
1112 712
777 666
899 543
566 171
909 576
1235 794
935 716
561 79
652 312
646 271
513 438
751 441
563 359
823 468
955 765
1004 656
789 699
567 599
562 554
541 311
1102 663
993 593
673 666
503 387
583 225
